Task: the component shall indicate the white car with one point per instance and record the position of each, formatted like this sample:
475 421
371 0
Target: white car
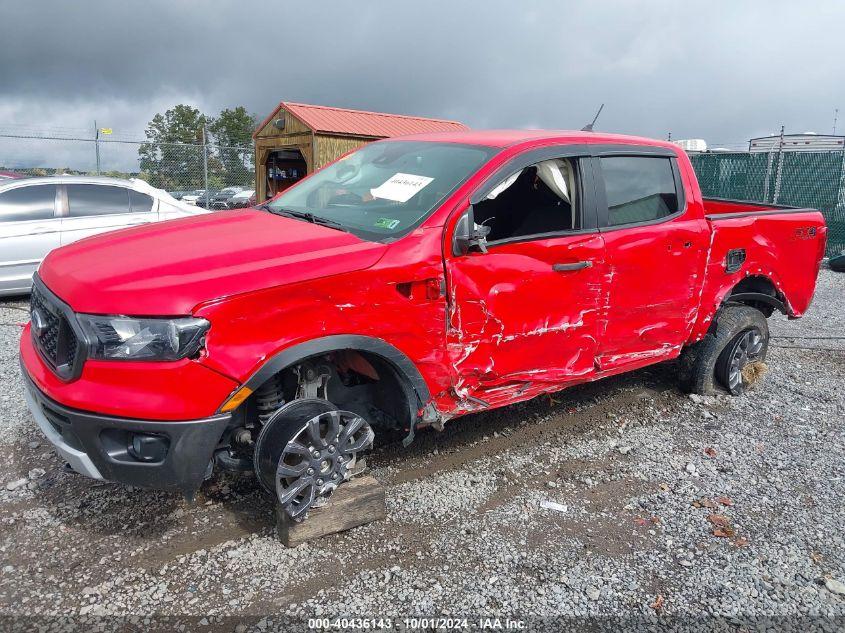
191 198
241 199
40 214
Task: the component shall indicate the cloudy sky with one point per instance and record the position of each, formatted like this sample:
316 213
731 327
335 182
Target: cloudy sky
722 71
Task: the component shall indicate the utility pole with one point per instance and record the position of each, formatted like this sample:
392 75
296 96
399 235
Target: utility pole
835 116
205 162
779 172
669 138
97 145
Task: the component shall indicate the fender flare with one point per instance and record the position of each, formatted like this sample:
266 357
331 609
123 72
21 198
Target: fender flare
740 297
403 365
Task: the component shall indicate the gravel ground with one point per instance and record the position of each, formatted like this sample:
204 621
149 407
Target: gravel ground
662 504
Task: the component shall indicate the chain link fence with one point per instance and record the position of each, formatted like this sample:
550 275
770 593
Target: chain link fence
803 179
795 178
174 167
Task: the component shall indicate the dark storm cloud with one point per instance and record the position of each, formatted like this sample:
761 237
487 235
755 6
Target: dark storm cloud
718 70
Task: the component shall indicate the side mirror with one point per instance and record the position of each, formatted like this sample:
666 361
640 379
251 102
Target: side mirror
469 236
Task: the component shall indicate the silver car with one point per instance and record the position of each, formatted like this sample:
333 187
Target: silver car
40 214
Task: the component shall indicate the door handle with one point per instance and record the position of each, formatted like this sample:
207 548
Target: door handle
563 268
41 230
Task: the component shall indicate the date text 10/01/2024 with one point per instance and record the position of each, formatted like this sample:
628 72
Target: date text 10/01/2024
423 623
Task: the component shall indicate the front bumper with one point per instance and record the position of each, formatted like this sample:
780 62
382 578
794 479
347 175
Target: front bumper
99 446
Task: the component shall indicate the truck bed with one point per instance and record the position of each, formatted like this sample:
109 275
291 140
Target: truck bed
717 208
783 244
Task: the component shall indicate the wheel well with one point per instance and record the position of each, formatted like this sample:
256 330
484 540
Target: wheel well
360 381
757 292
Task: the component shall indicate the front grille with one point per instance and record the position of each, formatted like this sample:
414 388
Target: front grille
46 338
52 333
70 354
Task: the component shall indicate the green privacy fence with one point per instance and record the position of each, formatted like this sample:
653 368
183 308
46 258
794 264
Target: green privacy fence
801 179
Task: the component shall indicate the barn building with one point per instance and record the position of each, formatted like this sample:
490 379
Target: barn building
297 138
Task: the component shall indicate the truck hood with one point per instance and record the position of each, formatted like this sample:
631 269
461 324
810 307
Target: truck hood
168 268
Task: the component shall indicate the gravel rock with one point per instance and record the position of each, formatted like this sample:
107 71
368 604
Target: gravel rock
835 586
17 483
466 531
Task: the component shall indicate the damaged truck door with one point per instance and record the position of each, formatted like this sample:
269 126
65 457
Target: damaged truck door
656 242
525 307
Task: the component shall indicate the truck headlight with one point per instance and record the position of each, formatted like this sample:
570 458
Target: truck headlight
128 338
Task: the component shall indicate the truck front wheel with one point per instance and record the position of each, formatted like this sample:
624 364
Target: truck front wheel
306 450
730 357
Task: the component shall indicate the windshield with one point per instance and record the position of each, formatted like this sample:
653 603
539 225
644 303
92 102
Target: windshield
384 189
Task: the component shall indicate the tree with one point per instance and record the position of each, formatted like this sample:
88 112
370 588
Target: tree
232 132
172 157
173 153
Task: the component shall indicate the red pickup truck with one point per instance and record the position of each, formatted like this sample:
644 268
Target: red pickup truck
410 282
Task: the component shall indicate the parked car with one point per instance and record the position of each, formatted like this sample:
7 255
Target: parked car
245 198
40 214
195 196
412 282
205 198
10 175
221 198
178 195
191 197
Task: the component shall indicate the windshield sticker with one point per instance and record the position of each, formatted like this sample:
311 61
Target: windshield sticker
400 187
387 223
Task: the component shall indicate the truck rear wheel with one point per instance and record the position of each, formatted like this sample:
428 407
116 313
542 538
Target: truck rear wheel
730 356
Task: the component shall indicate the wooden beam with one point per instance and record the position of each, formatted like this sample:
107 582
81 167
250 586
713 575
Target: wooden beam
356 502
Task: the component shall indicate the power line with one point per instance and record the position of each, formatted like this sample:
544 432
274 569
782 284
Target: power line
93 140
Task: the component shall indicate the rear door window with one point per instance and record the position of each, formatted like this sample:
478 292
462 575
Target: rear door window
92 200
28 203
140 202
639 189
